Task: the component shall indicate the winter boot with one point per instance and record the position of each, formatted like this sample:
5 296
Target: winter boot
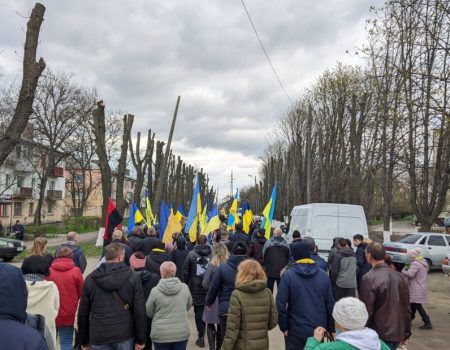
200 342
211 333
427 324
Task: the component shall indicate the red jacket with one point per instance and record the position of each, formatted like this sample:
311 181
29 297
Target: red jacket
69 280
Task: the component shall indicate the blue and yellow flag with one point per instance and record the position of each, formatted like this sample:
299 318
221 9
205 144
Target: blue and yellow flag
268 213
233 217
164 214
148 210
247 217
135 217
173 225
195 211
213 221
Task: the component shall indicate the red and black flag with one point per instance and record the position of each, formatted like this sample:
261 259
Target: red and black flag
113 218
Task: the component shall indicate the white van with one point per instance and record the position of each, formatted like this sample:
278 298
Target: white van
324 221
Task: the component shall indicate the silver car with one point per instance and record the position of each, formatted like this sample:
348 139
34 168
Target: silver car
435 247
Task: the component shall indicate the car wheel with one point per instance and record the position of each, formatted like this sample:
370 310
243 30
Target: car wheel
9 258
429 264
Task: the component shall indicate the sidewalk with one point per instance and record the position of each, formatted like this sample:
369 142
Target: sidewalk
89 237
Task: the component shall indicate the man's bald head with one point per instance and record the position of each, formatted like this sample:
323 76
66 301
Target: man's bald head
168 269
277 232
117 234
72 236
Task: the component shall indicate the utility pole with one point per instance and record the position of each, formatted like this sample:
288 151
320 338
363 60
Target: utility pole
308 157
162 173
231 184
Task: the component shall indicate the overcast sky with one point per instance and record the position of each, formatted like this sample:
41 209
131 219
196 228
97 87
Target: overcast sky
141 54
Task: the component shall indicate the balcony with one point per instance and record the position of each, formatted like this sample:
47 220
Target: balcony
57 172
22 193
54 194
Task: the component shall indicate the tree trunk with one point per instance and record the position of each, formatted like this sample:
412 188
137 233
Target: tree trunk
128 120
32 70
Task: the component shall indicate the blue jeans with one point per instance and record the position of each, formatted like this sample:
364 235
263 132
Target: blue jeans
65 337
181 345
393 345
123 345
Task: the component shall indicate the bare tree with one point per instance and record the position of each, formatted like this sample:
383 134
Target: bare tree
32 70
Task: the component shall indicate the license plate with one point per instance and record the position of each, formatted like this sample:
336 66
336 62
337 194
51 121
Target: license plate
19 249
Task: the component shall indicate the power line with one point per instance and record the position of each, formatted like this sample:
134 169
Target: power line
265 52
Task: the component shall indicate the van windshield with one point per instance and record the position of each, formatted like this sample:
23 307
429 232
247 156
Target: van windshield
409 238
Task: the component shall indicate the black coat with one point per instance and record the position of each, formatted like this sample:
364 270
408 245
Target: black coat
256 246
194 270
147 244
361 261
101 317
222 284
178 256
135 243
240 237
155 259
276 256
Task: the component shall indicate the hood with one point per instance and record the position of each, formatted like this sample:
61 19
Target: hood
253 286
345 252
277 241
13 293
202 249
181 243
235 260
111 276
305 270
158 257
63 264
40 292
145 275
71 245
169 286
366 339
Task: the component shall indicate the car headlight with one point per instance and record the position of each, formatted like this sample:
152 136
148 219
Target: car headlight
22 243
10 245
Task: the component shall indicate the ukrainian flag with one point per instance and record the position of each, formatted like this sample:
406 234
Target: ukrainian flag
194 214
213 221
173 225
247 217
268 213
233 217
135 217
148 210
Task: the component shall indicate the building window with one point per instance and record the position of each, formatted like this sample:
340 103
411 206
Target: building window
50 208
33 182
78 179
31 209
52 185
20 180
17 209
5 210
7 179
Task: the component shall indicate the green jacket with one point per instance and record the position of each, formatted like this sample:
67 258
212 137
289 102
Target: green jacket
251 315
313 343
167 306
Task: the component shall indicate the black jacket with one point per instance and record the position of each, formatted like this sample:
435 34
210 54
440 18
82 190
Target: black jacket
222 284
361 261
147 244
240 237
155 259
135 243
276 254
178 256
256 247
102 319
78 256
194 270
149 281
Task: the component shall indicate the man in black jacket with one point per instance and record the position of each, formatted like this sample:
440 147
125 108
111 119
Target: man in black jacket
156 257
343 271
112 306
193 272
78 256
276 254
149 242
239 235
361 259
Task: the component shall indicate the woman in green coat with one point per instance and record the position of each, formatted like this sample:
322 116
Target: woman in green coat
351 317
252 311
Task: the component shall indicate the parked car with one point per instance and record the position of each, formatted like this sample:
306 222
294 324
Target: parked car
445 265
9 248
435 247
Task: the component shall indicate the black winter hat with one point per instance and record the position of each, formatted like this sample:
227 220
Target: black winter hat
300 251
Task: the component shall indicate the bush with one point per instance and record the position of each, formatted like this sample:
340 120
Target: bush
81 224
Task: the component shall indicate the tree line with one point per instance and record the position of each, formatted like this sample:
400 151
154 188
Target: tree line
377 134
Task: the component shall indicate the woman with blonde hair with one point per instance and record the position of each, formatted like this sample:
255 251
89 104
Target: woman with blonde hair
252 311
219 255
38 254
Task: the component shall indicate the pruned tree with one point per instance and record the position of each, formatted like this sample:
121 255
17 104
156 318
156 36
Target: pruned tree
32 70
125 131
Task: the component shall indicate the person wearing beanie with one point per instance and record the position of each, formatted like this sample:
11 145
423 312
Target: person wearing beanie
43 295
350 315
149 280
417 273
69 280
223 284
178 255
343 270
320 262
304 300
276 255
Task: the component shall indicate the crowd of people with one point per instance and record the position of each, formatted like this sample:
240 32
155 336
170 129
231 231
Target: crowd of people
140 294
